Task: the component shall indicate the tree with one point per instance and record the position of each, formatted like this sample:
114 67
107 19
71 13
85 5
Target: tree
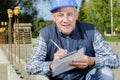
38 24
93 12
98 13
25 18
25 7
82 12
6 4
40 9
116 16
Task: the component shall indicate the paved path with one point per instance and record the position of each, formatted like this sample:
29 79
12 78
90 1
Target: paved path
116 47
3 58
3 72
6 70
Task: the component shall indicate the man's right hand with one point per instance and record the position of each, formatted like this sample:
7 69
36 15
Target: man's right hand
59 53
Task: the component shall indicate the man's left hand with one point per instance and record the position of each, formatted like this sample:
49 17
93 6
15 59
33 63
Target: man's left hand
83 62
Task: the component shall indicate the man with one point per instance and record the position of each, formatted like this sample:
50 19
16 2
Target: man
71 34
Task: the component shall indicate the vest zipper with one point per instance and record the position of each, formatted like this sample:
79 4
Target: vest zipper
68 50
68 44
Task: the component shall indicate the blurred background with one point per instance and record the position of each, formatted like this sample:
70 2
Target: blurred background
20 21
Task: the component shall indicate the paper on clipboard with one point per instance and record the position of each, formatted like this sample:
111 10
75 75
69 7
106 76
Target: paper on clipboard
62 65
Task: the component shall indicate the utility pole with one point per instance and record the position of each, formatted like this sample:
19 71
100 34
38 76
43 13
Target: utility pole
10 13
111 6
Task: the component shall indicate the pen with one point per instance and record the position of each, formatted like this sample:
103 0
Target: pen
55 44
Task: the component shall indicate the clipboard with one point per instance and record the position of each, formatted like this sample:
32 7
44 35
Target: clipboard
62 65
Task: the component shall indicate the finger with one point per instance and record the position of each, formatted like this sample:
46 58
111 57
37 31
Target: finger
59 53
82 60
63 51
78 64
81 66
78 61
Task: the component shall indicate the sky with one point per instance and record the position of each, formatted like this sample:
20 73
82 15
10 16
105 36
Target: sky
43 9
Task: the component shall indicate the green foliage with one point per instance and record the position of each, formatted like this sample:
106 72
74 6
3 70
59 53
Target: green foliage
118 35
98 13
25 5
112 39
25 18
117 31
117 17
37 25
4 5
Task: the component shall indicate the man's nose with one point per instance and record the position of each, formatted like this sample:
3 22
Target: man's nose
65 18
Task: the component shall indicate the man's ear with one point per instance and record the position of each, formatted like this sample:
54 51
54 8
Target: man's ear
76 15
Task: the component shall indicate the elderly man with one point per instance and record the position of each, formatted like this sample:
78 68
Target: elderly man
71 34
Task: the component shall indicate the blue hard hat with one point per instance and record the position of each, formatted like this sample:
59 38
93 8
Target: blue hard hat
55 4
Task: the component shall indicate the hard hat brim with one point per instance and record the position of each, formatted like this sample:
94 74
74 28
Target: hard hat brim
59 7
55 4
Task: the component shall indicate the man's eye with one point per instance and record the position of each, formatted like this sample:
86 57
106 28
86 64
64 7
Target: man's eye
70 14
60 15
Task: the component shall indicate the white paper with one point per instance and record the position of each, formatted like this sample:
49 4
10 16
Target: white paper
62 65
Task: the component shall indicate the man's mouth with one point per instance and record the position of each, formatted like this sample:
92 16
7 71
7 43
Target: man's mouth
66 25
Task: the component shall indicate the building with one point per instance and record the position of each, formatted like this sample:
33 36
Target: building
22 33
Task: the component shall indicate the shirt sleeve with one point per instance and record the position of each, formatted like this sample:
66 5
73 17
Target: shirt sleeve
37 63
104 55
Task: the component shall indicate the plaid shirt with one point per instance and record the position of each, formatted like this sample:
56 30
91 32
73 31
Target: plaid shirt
104 56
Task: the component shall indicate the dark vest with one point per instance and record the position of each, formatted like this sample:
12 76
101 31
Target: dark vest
82 36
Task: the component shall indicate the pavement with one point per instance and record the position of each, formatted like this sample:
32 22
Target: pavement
10 71
116 48
7 72
16 71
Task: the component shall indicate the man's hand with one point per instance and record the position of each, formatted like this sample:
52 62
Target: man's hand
83 62
59 53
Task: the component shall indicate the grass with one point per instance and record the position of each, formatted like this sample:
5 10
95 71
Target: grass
112 38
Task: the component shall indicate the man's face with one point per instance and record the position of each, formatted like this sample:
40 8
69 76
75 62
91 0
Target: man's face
65 19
